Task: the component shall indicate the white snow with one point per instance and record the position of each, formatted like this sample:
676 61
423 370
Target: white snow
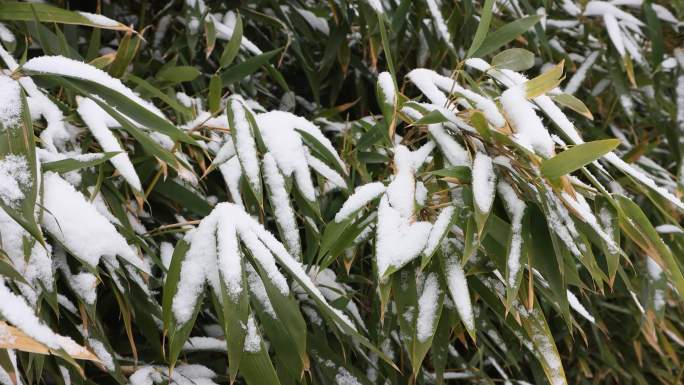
577 306
102 353
278 129
77 224
454 153
257 288
614 33
282 209
484 182
229 257
362 195
529 130
15 178
205 343
439 229
232 172
669 229
83 285
516 210
458 288
376 5
440 24
427 308
59 65
100 19
96 120
642 178
245 145
10 103
333 177
433 85
200 266
252 339
582 209
343 376
166 253
386 84
6 35
398 241
16 311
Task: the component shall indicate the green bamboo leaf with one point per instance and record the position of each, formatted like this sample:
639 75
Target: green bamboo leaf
214 97
233 47
515 59
432 117
639 228
178 74
570 101
247 67
544 82
505 34
576 157
482 28
71 164
16 11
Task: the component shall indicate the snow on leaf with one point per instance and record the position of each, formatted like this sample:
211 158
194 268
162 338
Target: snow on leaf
98 122
77 224
458 289
362 195
484 182
427 308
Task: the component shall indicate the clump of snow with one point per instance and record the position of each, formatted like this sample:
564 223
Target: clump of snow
433 85
205 343
398 241
386 84
100 19
428 307
280 131
10 103
458 288
440 24
96 119
77 224
200 262
16 311
252 339
440 228
6 35
577 306
376 5
669 229
529 130
484 182
102 353
516 210
284 215
15 178
454 153
245 145
344 377
362 195
84 285
257 288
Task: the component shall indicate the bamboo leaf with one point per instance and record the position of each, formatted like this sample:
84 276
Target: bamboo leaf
576 157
